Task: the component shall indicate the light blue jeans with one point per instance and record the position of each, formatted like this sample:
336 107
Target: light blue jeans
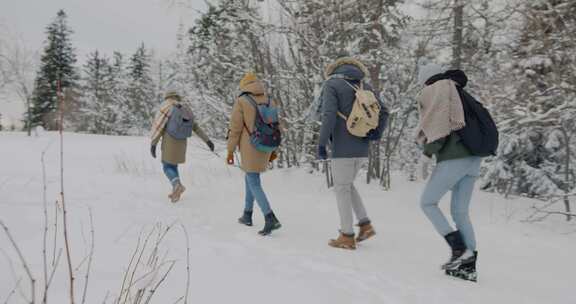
254 191
171 172
458 175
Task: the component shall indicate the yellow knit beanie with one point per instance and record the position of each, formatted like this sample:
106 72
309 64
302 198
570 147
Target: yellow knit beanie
248 79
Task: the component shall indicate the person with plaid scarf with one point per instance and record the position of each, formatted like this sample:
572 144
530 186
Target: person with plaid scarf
173 150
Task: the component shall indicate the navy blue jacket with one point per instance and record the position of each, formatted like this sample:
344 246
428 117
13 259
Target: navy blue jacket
336 96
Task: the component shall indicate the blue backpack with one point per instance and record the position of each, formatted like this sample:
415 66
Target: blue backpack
181 122
266 136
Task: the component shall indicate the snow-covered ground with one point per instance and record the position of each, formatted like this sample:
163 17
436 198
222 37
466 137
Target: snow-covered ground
229 263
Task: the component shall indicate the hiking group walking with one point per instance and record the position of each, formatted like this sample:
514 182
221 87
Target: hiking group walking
453 128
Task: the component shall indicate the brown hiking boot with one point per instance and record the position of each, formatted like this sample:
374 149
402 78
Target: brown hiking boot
366 232
177 192
344 241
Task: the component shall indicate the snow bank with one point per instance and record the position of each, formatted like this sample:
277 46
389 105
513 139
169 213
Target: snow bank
115 176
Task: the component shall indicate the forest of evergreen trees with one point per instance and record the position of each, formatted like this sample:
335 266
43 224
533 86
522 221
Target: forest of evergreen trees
519 56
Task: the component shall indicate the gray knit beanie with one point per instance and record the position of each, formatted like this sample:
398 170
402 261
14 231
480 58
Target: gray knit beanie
427 70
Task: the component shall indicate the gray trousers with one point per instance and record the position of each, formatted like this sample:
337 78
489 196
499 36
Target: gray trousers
345 171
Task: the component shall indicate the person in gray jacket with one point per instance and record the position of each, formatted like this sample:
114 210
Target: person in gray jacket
349 152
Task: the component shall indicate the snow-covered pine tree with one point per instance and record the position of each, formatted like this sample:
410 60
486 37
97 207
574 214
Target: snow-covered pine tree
57 65
98 107
538 117
140 94
321 31
488 28
118 92
464 33
224 43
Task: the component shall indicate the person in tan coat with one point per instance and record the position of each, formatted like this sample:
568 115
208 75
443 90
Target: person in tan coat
173 150
252 161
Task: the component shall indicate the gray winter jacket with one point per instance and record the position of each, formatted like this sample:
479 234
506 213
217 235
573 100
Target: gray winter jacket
336 96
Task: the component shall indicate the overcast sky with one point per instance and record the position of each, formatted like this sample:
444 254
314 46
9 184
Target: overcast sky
101 24
106 25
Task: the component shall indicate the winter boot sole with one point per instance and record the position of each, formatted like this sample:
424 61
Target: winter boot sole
466 258
467 271
177 193
366 236
463 274
275 227
249 224
335 244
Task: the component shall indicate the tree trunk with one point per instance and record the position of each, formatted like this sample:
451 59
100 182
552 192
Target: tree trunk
457 42
567 186
29 118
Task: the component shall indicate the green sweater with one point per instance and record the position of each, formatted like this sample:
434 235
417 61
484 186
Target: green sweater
447 148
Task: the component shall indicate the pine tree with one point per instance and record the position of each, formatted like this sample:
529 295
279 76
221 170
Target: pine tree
141 99
368 30
57 67
539 115
117 90
223 44
97 105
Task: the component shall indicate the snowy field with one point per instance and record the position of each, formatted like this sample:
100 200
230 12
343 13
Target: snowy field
124 187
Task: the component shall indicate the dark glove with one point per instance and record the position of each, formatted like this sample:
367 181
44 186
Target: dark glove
210 145
322 153
373 135
153 150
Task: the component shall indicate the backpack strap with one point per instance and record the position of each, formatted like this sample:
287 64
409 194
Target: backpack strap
253 102
361 87
355 88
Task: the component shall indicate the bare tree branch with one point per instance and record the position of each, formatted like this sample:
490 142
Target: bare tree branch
62 196
87 276
23 261
153 291
187 264
13 291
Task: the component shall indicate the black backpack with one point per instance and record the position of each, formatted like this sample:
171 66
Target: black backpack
480 135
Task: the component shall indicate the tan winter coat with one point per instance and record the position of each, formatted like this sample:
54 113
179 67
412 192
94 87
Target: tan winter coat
243 117
173 150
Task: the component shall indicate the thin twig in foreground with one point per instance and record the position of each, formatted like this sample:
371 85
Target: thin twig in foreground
129 267
187 263
62 196
45 234
159 283
55 267
13 291
56 211
13 271
87 277
23 261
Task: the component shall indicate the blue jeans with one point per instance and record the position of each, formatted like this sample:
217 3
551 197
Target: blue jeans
458 175
171 172
254 191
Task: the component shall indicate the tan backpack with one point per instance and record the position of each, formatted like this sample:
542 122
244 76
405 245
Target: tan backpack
365 114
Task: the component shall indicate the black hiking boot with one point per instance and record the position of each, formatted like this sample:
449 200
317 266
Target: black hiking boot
466 271
246 218
270 223
460 254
